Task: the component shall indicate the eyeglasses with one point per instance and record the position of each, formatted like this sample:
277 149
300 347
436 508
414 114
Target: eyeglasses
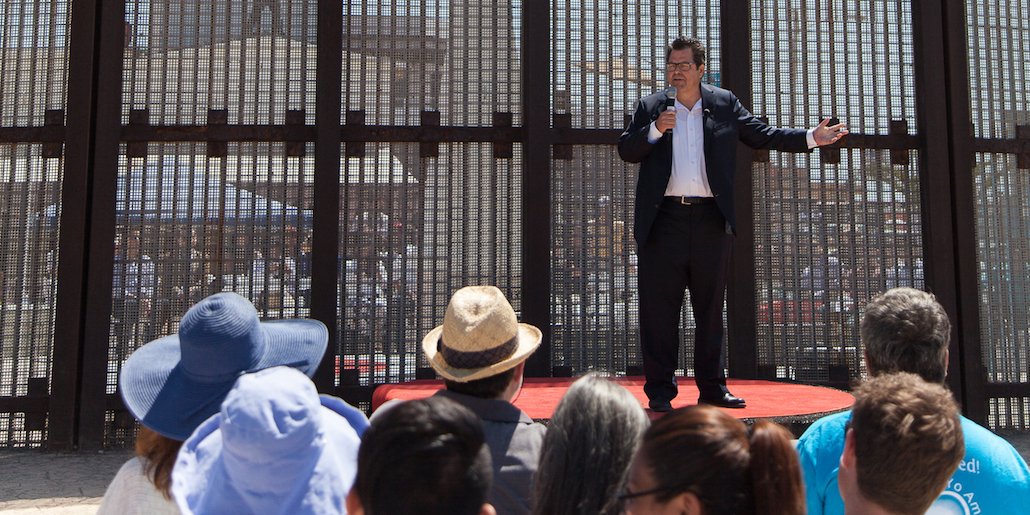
628 494
681 67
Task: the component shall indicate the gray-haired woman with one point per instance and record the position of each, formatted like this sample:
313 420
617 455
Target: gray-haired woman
587 451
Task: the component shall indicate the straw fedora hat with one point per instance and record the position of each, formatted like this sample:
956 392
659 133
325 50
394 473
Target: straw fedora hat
480 336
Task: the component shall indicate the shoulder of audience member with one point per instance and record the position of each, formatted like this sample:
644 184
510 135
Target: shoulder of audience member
982 443
826 426
383 408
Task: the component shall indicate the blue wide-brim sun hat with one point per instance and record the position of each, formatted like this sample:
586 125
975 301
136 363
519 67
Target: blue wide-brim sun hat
174 383
276 447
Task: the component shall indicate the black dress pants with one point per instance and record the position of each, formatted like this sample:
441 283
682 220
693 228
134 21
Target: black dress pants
688 248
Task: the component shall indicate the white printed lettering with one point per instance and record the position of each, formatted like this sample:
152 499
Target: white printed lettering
972 466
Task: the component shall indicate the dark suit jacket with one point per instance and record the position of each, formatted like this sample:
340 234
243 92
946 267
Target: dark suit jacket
725 123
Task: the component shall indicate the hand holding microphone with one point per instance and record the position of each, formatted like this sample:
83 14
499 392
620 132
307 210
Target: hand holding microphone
667 120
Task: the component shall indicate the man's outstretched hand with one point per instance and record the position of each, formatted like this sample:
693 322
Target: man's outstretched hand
825 134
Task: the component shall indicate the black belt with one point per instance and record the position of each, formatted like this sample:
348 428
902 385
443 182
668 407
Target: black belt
690 201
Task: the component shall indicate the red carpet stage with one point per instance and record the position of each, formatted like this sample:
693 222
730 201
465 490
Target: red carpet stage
787 403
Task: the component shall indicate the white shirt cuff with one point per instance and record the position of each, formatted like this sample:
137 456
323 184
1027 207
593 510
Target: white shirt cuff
654 134
810 136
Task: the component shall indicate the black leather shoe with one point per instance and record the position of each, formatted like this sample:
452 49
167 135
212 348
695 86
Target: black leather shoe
728 400
659 406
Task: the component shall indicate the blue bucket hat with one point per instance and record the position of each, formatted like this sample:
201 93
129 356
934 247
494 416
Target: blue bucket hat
174 383
276 447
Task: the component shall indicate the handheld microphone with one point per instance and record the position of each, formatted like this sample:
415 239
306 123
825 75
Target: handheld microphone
670 98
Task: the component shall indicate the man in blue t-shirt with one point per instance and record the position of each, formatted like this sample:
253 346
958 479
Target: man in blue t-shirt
907 330
902 446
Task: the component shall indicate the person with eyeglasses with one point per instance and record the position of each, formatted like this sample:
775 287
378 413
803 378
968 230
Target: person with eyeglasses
685 140
699 460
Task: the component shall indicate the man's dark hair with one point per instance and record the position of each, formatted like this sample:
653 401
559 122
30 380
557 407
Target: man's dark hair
682 43
425 457
486 388
906 330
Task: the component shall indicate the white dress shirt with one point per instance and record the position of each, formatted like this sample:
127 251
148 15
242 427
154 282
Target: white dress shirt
689 177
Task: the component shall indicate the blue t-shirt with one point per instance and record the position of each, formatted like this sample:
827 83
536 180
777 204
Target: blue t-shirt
992 478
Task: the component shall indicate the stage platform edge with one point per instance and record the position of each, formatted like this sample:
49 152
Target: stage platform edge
791 404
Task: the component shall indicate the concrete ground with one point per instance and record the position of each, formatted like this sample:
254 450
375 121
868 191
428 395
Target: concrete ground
34 482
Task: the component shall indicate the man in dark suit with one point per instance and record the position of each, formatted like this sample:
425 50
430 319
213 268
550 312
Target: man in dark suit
684 214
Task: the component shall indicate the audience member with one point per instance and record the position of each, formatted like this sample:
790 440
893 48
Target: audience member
480 351
904 442
597 426
699 460
423 457
907 330
132 295
143 485
276 447
174 383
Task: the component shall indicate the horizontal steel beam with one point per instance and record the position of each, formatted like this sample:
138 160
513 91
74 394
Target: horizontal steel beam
348 133
994 390
1001 146
133 133
24 404
44 134
200 133
443 134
